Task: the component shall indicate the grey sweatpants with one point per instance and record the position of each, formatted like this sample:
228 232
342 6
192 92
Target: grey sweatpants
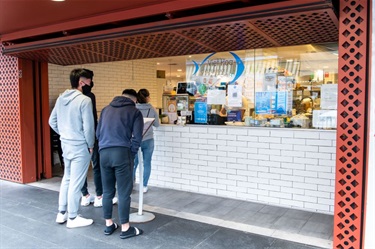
77 161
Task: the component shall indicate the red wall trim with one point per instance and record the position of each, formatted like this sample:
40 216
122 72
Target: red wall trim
351 124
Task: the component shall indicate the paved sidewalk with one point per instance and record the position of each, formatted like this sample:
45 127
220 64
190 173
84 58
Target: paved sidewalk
27 220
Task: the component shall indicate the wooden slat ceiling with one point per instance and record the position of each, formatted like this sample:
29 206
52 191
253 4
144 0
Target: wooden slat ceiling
258 31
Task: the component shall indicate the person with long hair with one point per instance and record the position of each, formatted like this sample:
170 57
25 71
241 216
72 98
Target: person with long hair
147 145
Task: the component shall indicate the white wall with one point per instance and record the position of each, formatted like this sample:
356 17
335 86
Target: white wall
110 79
286 167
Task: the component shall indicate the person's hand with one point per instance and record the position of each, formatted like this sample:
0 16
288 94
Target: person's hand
91 150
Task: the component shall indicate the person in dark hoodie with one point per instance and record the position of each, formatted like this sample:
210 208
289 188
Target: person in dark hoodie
147 145
119 134
72 119
87 199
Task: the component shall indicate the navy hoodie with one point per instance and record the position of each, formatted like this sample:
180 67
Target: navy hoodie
120 125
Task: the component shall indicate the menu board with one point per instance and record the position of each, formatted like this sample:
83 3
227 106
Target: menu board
279 102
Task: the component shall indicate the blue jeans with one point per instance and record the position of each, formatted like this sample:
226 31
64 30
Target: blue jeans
117 167
147 148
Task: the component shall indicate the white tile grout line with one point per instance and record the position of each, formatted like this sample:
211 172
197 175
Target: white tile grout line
274 233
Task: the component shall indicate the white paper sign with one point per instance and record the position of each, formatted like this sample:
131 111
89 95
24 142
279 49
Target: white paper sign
328 94
234 96
216 97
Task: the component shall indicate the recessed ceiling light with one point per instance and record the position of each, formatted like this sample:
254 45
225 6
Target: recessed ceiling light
157 63
179 70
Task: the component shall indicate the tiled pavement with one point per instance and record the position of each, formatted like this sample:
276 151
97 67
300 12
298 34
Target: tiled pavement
182 220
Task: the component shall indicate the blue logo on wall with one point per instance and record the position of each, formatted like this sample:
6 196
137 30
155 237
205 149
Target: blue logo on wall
239 71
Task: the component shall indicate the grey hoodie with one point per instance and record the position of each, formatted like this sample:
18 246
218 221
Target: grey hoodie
72 118
148 111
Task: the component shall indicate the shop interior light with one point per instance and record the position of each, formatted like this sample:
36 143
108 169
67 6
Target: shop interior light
58 0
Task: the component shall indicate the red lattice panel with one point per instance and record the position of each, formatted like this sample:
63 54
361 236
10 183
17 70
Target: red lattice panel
228 37
300 28
10 133
351 131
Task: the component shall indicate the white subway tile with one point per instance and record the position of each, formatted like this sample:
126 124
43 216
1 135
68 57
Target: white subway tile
319 142
258 132
318 155
269 152
237 131
294 141
268 175
227 137
278 159
270 200
305 173
317 193
317 181
292 203
281 195
283 133
281 146
306 134
292 190
302 185
317 168
305 198
323 149
271 140
319 207
306 148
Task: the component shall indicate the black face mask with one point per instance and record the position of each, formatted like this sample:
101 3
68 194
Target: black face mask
86 89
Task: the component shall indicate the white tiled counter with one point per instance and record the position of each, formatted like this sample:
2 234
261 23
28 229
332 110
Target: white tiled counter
278 166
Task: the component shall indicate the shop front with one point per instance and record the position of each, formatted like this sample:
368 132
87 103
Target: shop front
325 167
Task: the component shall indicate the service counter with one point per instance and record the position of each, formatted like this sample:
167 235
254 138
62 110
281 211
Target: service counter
279 166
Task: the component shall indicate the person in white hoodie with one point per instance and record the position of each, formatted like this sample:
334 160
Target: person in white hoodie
73 120
147 145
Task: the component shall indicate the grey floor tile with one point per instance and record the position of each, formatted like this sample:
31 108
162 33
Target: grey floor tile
251 206
281 244
196 207
183 232
239 215
36 208
262 220
289 224
225 238
268 209
323 218
217 211
230 203
317 229
11 239
298 214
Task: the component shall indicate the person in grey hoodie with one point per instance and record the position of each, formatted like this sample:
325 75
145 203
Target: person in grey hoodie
73 120
147 145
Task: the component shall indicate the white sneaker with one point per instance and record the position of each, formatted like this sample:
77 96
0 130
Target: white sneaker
61 218
79 222
145 189
98 202
114 200
85 201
